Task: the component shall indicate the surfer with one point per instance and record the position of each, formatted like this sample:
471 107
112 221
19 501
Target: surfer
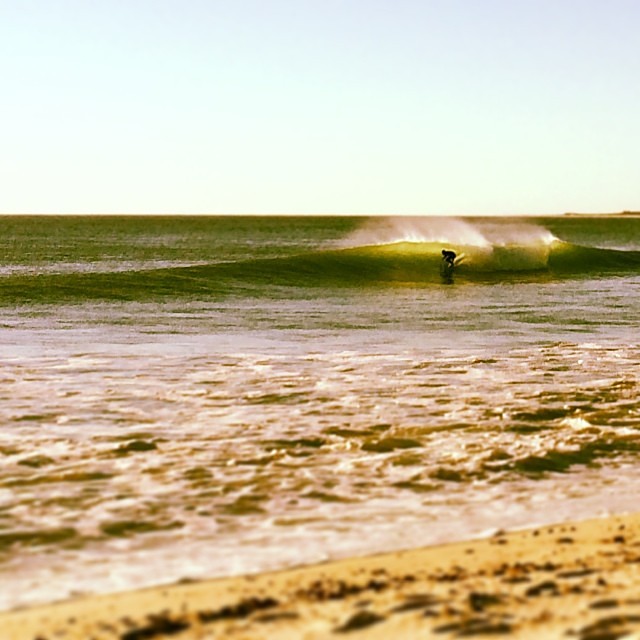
449 258
447 265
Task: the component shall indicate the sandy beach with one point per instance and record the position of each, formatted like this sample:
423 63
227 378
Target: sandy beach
574 580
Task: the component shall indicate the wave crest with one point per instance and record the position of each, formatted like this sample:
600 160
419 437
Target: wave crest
449 231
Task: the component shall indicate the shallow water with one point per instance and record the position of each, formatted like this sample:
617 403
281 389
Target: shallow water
197 431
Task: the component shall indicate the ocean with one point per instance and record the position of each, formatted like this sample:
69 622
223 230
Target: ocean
190 397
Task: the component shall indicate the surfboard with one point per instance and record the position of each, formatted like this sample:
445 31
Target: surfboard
458 259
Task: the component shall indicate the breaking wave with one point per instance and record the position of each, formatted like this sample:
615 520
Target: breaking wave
392 251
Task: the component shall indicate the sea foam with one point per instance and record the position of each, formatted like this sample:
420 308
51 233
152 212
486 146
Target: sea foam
450 231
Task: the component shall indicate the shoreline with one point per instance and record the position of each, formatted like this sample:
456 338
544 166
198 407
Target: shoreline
575 579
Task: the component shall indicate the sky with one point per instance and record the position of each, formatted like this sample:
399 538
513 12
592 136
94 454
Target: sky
407 107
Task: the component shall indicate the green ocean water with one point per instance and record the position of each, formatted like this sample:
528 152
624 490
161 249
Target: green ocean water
184 397
136 258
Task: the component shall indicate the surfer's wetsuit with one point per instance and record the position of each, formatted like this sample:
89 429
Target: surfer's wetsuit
449 257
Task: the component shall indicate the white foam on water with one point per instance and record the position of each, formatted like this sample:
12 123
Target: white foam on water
390 230
576 423
234 415
515 233
449 231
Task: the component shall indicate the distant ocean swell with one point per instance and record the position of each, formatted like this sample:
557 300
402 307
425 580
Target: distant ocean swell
398 263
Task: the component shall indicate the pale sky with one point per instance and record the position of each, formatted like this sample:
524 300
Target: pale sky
319 106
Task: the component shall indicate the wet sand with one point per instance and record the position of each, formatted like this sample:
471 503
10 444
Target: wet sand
576 580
